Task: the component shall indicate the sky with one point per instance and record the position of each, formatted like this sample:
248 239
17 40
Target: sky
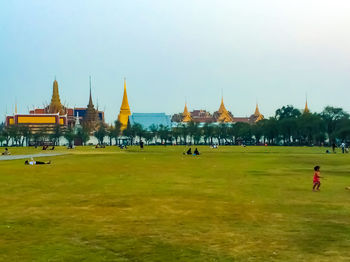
268 51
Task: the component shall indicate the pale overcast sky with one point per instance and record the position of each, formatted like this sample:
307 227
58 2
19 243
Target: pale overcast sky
273 52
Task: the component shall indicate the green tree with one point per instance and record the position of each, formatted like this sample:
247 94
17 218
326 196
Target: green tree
311 129
270 127
333 117
100 133
56 134
26 134
257 130
208 133
287 122
69 135
176 133
138 130
154 131
164 134
84 135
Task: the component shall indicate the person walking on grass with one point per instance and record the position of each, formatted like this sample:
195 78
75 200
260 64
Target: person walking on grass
316 180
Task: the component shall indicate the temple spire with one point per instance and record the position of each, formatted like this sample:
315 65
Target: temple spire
186 115
306 109
90 98
125 111
125 102
224 114
257 111
55 105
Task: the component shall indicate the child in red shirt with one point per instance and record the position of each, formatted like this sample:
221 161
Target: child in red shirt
316 180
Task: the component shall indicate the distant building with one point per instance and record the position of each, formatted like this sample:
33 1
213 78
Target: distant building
149 119
45 119
91 117
220 116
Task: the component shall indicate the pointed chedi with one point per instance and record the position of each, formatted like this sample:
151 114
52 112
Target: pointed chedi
186 116
125 112
55 105
306 109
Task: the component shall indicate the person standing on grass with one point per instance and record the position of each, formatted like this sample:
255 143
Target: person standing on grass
316 180
342 147
333 147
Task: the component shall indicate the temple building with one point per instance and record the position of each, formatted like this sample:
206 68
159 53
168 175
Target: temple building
223 115
220 116
147 120
91 117
186 116
45 119
125 112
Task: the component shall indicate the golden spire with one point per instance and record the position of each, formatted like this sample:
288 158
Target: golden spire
186 115
224 115
257 114
125 112
16 107
306 109
55 105
222 108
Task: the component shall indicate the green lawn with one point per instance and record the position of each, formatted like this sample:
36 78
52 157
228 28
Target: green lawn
229 204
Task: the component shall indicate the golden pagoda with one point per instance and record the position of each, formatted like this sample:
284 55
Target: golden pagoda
257 114
306 109
224 115
125 112
55 105
186 116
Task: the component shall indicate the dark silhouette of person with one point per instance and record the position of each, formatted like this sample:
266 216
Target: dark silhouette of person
33 162
141 144
6 152
196 152
189 151
333 147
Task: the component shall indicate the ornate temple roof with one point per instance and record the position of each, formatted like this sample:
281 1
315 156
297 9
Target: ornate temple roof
224 114
186 115
257 114
125 112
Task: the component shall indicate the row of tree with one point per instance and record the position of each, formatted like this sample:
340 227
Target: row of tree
289 126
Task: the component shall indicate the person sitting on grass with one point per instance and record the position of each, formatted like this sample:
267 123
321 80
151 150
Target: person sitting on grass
6 152
196 152
316 180
32 162
188 152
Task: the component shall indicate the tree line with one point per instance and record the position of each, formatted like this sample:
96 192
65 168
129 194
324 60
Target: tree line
289 126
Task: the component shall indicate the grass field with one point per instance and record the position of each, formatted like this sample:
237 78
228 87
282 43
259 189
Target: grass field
229 204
